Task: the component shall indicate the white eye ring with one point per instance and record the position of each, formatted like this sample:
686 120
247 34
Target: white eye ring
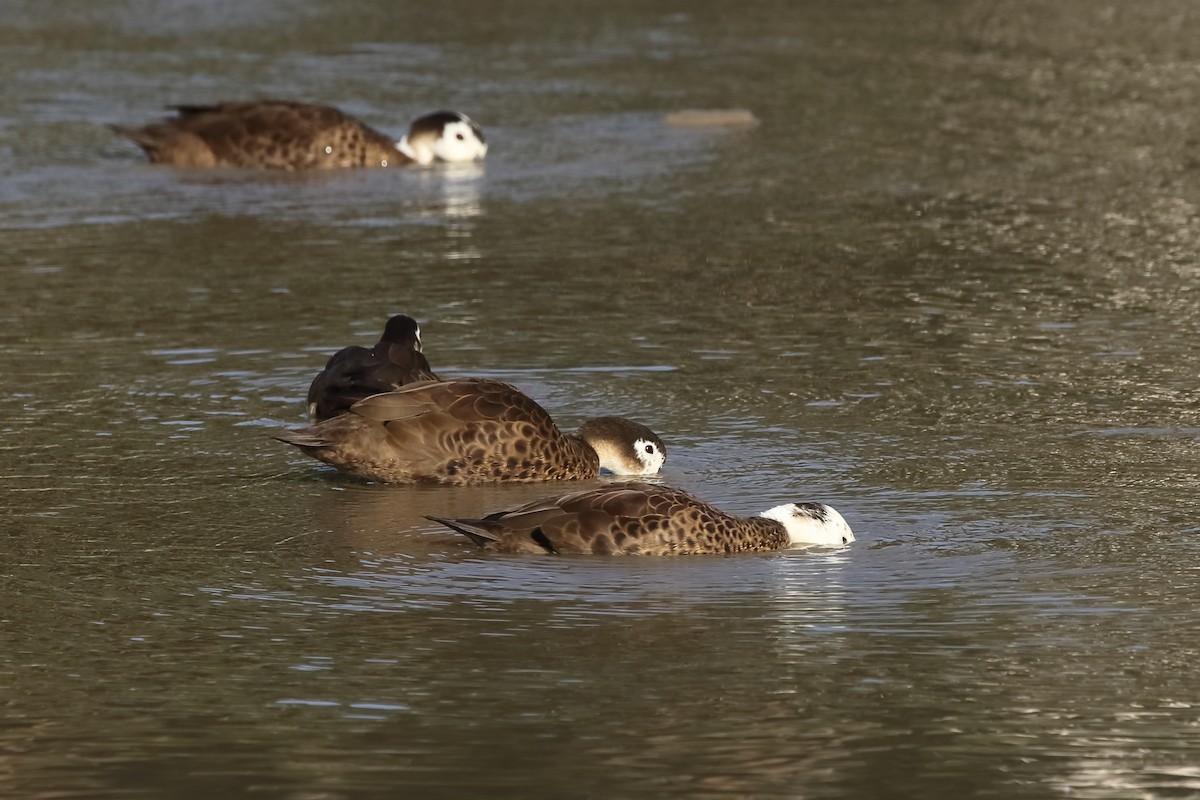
328 149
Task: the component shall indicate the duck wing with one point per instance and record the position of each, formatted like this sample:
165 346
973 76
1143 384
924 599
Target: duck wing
628 518
467 400
274 134
474 431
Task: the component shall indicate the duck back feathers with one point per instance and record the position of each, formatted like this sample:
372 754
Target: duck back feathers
264 134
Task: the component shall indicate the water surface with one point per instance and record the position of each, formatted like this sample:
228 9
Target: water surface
947 285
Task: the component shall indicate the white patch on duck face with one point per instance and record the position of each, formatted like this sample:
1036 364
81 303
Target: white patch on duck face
650 455
417 342
459 142
812 523
617 459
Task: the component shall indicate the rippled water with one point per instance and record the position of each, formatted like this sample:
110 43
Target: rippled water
947 285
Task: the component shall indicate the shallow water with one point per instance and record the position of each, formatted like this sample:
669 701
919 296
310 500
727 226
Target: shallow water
947 285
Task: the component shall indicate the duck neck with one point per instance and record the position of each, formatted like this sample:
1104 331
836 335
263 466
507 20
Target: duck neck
770 531
414 155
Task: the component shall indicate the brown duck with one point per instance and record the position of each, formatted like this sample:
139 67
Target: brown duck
649 520
355 373
282 134
469 431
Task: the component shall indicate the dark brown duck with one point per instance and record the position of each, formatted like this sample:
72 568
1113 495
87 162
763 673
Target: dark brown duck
650 520
470 431
355 373
282 134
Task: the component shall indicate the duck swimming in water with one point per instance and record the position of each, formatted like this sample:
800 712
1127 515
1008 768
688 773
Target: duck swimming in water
283 134
651 520
470 431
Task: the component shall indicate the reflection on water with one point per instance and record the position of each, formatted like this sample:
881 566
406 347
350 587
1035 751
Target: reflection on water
944 286
459 188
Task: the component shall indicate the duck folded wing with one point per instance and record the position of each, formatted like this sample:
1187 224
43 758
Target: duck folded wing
240 133
276 120
269 134
468 400
622 518
545 530
406 402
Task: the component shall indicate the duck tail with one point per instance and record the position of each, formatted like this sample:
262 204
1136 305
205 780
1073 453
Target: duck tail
302 437
474 533
153 139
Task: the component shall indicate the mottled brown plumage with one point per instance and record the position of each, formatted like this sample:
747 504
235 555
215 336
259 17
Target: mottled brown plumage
472 431
647 519
355 373
283 134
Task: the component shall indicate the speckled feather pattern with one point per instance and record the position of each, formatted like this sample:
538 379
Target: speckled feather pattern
265 134
454 432
621 519
355 373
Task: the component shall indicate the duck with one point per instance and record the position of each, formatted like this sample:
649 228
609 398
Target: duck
288 135
355 373
650 520
472 431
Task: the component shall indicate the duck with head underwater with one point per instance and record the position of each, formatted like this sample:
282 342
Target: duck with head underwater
650 520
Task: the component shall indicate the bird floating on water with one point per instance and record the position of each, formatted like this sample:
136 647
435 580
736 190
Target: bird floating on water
648 519
283 134
469 431
355 373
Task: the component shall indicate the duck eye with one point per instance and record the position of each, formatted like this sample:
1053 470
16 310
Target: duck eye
459 136
649 448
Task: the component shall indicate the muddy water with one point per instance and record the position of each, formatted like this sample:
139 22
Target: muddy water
947 285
